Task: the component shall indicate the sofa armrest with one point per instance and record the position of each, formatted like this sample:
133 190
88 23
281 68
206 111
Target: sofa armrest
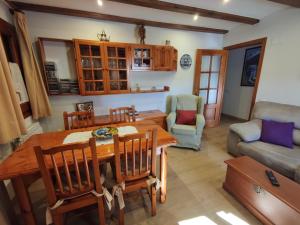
200 123
171 118
249 131
297 174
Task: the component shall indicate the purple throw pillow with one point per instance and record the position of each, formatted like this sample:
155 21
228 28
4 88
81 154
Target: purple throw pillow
277 133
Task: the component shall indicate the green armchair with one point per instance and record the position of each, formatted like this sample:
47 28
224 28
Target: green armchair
188 136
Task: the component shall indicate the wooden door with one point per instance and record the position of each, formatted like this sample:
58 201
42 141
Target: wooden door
209 82
117 68
90 67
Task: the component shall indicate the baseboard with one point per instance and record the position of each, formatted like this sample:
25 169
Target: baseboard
234 117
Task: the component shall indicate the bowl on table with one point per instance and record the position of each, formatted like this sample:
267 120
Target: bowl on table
104 133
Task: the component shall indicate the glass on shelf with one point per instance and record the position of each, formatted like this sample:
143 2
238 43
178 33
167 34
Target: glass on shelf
114 85
112 64
97 63
122 63
86 63
89 86
121 52
123 74
84 50
146 53
137 62
87 75
146 63
98 75
114 75
123 85
111 51
138 53
96 51
99 86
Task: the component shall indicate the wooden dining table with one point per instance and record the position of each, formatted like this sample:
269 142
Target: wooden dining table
22 169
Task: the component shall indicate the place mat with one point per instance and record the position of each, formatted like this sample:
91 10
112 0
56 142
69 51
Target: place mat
86 135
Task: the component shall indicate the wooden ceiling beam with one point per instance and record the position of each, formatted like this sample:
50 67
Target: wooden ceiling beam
100 16
168 6
294 3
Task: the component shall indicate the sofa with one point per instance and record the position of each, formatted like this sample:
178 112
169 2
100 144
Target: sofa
244 139
188 136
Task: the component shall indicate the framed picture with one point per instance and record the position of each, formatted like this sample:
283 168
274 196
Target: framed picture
251 60
85 106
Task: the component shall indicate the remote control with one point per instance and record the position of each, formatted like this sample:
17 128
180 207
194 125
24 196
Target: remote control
272 178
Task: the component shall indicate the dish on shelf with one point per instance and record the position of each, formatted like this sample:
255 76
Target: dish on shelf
104 133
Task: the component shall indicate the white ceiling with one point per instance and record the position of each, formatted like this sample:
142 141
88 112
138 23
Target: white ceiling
251 8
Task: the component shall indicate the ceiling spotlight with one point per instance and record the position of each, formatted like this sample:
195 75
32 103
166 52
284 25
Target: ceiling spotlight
226 1
196 17
100 2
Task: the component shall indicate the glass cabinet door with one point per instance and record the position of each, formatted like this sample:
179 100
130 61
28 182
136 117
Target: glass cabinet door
141 58
117 68
91 66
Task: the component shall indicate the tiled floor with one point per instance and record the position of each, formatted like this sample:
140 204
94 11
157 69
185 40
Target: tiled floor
194 189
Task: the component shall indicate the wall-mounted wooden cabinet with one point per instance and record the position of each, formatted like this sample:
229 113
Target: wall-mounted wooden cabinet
153 58
102 68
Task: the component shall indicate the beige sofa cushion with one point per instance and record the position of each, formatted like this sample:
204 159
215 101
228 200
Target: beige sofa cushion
281 159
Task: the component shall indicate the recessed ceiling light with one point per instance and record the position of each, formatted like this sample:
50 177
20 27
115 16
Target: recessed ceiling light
196 16
226 1
100 2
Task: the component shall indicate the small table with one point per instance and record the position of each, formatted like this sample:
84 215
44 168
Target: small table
156 116
247 182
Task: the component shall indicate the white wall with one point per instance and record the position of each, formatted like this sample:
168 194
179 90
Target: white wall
237 98
57 26
280 78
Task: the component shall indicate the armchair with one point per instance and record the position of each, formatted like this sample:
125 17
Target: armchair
188 136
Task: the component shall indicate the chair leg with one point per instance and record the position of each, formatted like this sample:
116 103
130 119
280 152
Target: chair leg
121 217
58 219
153 201
101 212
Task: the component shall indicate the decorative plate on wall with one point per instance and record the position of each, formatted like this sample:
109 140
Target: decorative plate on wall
186 61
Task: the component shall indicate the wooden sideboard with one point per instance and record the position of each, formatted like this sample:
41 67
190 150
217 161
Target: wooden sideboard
156 116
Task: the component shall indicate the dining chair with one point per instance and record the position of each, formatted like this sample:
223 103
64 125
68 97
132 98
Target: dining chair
71 181
122 114
137 165
76 120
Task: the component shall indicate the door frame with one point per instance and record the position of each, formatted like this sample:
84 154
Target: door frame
262 42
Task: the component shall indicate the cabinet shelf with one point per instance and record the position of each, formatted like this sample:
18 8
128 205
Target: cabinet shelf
165 89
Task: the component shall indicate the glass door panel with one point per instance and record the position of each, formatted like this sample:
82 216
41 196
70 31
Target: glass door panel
86 63
212 96
98 74
203 94
214 80
89 86
216 63
99 86
121 52
84 50
87 75
205 65
111 52
97 63
112 64
96 51
204 80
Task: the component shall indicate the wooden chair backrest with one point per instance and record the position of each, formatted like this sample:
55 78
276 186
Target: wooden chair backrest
66 171
139 155
122 114
75 120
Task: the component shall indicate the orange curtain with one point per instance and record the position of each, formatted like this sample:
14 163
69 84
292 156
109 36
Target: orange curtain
12 123
39 101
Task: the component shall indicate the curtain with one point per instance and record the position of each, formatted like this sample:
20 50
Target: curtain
39 101
12 123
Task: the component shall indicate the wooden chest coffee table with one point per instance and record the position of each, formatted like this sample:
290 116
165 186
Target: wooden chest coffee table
247 182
